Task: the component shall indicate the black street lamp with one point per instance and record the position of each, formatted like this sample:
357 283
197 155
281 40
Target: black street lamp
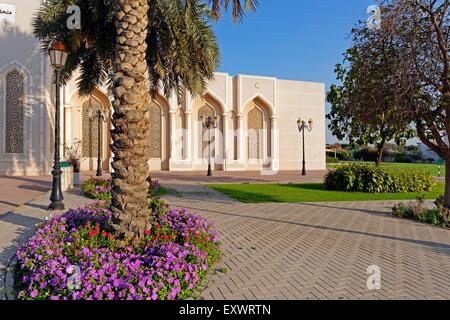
100 116
302 126
209 123
58 57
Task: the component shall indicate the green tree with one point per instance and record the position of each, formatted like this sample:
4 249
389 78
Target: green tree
363 106
420 35
138 47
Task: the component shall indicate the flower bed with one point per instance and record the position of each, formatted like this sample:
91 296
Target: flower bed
96 188
74 256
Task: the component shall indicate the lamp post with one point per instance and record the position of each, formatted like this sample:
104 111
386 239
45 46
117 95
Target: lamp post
302 126
209 123
58 57
100 116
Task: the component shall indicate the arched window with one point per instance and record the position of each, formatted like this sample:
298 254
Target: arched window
205 111
90 129
14 112
255 126
155 131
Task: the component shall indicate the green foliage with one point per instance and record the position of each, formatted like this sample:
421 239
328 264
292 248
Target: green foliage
98 189
182 49
363 104
157 206
332 159
408 155
439 216
373 179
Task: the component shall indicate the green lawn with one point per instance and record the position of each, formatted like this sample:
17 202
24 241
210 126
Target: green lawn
432 168
314 192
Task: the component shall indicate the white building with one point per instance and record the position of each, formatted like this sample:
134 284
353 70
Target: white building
427 153
257 116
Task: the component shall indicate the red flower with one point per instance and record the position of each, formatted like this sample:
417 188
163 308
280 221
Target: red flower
109 235
165 237
104 233
158 225
147 232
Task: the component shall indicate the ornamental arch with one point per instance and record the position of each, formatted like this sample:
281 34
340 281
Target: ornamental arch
258 138
159 137
205 106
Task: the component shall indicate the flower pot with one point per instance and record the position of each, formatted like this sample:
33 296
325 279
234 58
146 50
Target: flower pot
76 179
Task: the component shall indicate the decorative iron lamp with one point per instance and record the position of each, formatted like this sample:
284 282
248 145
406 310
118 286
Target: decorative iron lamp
58 57
302 126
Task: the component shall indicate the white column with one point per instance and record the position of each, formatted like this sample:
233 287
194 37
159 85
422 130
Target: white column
173 136
68 127
62 116
227 139
188 135
241 137
275 144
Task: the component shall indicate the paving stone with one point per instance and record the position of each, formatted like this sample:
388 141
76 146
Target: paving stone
292 251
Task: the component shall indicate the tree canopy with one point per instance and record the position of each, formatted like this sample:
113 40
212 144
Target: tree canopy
363 106
182 49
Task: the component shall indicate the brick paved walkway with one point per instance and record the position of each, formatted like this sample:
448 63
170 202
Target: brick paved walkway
16 191
295 251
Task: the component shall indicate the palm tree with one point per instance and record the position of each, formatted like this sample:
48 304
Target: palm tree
157 45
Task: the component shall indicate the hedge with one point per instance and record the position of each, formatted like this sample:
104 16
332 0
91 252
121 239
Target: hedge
373 179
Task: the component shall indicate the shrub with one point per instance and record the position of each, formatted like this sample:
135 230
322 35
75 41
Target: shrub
373 179
332 159
96 188
170 264
439 215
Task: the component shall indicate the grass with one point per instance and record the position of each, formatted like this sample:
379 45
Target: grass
432 168
312 192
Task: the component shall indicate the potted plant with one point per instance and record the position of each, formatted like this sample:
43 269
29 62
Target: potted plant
73 154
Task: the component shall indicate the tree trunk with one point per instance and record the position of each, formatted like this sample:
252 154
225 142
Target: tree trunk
131 122
379 158
447 182
380 150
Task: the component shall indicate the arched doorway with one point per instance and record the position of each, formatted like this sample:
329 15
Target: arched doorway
159 134
204 107
258 139
90 132
80 126
255 138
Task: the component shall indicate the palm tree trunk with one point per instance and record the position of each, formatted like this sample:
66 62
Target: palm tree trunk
131 122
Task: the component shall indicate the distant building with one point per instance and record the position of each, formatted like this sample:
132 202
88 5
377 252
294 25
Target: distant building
427 153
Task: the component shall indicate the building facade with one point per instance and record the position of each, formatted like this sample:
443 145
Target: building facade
256 116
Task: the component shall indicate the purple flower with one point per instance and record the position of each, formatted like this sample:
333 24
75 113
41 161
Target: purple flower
168 269
34 293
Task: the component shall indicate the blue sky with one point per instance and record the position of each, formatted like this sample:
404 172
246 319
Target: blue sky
291 39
